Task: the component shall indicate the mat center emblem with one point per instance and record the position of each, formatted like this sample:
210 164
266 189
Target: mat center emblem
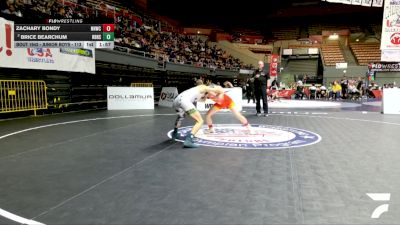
259 137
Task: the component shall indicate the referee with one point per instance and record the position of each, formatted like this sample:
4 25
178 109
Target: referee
261 77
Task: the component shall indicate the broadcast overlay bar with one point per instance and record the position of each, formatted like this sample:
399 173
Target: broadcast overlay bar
72 36
53 34
64 44
65 28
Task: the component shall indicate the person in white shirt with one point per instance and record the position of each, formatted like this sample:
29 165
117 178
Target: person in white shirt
313 91
321 92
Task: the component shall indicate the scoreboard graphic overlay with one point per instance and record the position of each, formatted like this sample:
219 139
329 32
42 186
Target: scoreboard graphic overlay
64 33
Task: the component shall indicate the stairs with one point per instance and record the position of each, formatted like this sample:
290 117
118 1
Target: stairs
348 55
245 55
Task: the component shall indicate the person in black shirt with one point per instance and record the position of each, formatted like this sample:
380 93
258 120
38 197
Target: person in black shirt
250 90
360 86
261 77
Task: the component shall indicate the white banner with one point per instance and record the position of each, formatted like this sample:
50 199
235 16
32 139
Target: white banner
366 2
390 55
313 51
234 93
287 51
244 71
377 3
391 25
346 2
130 98
167 96
390 101
65 59
341 65
356 2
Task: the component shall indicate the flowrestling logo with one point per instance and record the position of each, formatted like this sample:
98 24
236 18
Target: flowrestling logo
259 137
383 197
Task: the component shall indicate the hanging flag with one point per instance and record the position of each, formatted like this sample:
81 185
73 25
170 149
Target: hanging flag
356 2
273 66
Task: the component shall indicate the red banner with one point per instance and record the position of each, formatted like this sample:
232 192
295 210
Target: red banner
273 66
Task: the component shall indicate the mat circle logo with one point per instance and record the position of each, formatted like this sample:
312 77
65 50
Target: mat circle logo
260 137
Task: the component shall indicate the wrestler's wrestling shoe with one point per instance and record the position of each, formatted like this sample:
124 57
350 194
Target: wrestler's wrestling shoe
175 135
189 142
210 131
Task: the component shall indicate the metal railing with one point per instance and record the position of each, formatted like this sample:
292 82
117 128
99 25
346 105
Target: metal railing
22 95
141 84
149 55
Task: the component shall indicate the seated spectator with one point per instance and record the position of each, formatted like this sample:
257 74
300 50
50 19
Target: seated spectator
321 92
336 91
274 93
353 92
369 92
313 91
228 84
299 94
12 9
361 86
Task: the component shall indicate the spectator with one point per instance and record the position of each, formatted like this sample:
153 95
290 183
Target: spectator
321 92
299 94
336 91
361 86
344 83
353 92
313 91
228 84
12 10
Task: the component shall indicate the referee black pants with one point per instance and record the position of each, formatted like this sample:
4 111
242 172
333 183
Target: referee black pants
261 95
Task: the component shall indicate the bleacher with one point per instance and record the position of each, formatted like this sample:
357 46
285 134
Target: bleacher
331 54
366 52
314 29
286 33
107 2
303 66
74 91
294 46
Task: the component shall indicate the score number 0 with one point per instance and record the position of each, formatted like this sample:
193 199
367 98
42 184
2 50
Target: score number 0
108 27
